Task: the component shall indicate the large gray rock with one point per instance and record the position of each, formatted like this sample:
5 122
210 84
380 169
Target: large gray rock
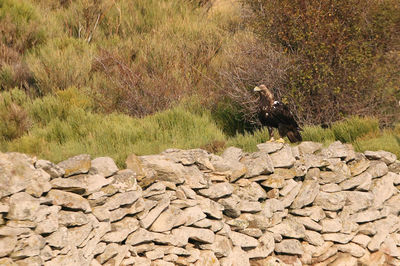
314 238
28 247
264 249
17 173
359 165
158 167
368 215
283 158
331 225
190 157
270 147
69 184
383 189
274 181
53 170
331 201
68 200
211 208
58 239
384 156
154 213
289 185
316 213
198 234
229 164
79 164
243 240
338 237
121 229
70 218
362 181
216 191
104 166
289 228
222 246
338 150
231 205
306 195
251 191
48 224
362 240
289 246
140 236
395 167
168 219
353 249
134 164
258 163
23 207
308 223
377 169
291 195
309 147
7 245
356 200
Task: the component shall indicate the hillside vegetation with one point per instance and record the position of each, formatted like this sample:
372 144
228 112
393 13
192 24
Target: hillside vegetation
116 77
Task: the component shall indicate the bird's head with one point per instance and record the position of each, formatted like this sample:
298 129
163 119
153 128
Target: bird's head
265 92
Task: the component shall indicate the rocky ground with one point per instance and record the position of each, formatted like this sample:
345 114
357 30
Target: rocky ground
281 205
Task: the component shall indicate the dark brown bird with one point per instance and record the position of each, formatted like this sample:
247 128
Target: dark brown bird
274 114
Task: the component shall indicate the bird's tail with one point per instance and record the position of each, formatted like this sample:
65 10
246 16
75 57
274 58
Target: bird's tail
294 136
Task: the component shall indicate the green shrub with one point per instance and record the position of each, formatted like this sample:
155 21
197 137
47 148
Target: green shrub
354 127
317 134
62 129
387 141
21 30
60 64
13 116
248 141
61 106
20 25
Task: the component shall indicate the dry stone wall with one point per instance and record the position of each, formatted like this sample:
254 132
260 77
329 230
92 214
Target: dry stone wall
281 205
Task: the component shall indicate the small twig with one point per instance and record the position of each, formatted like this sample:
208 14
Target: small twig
94 28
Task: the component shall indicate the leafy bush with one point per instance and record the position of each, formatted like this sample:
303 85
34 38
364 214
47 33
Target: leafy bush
340 49
21 30
348 130
20 25
64 127
60 64
15 120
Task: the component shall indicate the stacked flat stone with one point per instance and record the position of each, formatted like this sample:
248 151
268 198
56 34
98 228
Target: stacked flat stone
281 205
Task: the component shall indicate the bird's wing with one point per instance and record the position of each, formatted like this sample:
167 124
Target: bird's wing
281 113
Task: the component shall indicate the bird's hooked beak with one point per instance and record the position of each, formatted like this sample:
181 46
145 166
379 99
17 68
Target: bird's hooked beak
257 88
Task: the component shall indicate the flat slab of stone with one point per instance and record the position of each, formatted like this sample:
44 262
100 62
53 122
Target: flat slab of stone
385 156
258 163
104 166
289 246
243 240
289 228
270 147
68 200
216 191
79 164
283 158
308 191
330 201
23 207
